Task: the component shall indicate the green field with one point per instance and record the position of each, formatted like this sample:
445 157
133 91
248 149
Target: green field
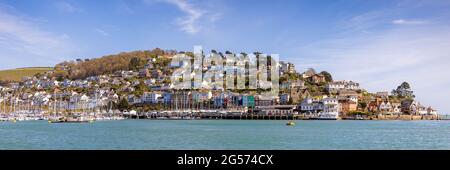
18 74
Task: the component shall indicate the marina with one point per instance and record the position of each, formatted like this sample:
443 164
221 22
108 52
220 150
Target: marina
55 117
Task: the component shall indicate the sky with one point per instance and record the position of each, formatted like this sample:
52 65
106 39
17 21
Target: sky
379 43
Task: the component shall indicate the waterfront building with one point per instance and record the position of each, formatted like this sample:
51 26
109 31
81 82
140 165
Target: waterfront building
348 95
385 107
278 110
409 107
264 102
422 110
219 100
167 98
431 111
149 97
248 101
330 105
348 106
284 98
396 108
331 108
310 106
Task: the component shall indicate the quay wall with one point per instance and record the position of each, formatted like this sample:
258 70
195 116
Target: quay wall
405 117
301 117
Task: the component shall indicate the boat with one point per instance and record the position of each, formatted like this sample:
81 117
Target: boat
328 116
56 120
71 120
186 118
290 123
175 117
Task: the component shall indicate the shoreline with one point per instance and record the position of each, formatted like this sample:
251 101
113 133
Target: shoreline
286 117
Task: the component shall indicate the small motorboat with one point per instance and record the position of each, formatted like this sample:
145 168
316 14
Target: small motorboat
290 123
71 120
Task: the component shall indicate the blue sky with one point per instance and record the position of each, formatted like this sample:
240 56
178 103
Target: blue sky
377 43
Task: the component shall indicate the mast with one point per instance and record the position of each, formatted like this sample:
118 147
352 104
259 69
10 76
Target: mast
54 104
11 108
95 103
3 102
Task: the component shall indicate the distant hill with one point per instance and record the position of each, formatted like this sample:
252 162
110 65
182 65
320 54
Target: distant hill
19 73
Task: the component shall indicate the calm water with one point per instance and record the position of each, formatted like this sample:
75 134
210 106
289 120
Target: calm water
226 134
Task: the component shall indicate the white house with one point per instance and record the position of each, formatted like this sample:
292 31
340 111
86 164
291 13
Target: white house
310 106
385 107
331 108
342 85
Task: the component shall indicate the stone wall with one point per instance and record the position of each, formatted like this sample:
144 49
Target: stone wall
404 117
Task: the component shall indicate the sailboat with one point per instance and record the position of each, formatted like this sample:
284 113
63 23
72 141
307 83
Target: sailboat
69 119
55 118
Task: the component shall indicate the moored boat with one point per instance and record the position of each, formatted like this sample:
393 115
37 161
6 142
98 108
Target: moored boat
290 123
328 116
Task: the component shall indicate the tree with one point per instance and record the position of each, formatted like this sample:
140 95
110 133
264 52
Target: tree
134 63
140 88
362 105
123 104
403 91
328 77
60 74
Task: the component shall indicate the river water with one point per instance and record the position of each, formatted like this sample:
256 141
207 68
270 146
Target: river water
226 134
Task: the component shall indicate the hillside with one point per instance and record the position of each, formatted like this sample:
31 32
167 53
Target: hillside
19 73
81 69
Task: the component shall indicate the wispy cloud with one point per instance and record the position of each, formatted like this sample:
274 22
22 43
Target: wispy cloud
101 32
21 38
409 22
190 21
124 8
65 6
196 16
365 22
